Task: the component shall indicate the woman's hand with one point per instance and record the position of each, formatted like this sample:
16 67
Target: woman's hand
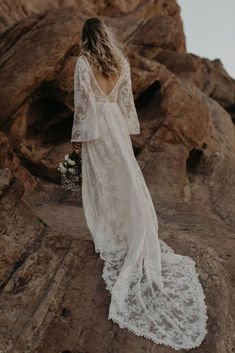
76 146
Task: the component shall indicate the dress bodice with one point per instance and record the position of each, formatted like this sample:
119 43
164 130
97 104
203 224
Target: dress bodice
100 95
87 93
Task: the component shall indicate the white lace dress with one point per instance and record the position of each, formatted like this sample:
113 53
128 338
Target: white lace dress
155 293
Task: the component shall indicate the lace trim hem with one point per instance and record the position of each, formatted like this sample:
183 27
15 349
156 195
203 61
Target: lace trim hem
150 336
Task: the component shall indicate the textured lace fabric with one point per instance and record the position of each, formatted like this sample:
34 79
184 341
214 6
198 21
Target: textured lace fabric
85 124
126 103
155 293
87 93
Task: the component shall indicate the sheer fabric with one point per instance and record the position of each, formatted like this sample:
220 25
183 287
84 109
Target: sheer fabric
155 293
85 126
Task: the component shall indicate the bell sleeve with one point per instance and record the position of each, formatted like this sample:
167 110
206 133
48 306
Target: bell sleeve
85 123
126 102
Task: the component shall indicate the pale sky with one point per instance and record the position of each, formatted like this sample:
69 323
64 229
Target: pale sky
209 27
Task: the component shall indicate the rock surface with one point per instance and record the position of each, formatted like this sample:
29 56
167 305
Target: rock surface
36 105
13 12
209 76
53 298
52 292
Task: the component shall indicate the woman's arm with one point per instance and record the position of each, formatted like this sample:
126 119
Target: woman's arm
126 102
85 122
77 146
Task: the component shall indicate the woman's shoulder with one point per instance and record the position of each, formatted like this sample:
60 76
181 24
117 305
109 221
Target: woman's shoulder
124 59
126 62
81 59
81 64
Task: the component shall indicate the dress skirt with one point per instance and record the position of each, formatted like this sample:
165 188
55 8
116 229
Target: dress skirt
155 293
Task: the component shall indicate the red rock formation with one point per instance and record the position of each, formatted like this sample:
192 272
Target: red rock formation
10 160
13 12
186 150
209 76
37 99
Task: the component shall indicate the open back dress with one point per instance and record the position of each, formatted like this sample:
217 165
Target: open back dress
155 293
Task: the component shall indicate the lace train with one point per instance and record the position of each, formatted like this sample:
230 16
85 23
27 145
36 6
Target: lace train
175 317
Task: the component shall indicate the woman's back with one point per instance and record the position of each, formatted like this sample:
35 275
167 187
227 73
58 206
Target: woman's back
87 95
101 86
105 84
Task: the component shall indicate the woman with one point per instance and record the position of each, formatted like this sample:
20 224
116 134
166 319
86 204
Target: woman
155 293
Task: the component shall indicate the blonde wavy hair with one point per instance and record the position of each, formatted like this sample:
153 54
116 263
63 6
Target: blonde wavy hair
100 45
